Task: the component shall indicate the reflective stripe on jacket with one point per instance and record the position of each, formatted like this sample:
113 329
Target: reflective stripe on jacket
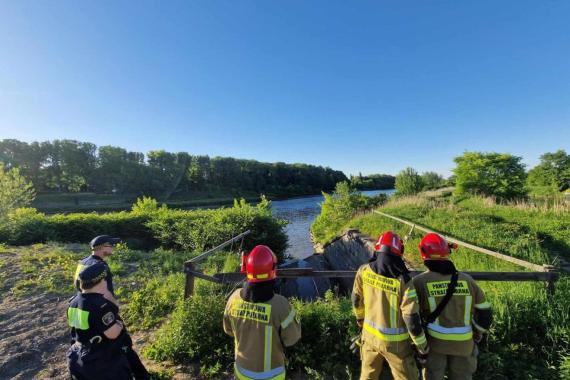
452 332
260 331
383 303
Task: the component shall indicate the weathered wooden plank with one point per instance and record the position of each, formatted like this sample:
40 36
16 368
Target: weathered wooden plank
522 263
480 276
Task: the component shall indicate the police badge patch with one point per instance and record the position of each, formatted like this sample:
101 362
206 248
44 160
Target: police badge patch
108 318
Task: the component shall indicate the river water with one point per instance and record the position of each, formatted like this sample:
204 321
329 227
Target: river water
300 213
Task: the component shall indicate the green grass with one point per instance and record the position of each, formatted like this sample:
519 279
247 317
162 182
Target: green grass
530 338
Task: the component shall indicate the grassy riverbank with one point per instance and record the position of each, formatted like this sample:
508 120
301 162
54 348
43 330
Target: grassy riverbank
530 338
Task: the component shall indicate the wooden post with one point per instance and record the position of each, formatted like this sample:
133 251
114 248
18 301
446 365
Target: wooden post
189 287
550 288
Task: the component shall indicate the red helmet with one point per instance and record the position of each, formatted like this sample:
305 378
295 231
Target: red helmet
390 242
260 264
435 247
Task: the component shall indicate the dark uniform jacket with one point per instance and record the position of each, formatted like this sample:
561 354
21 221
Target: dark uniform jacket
93 355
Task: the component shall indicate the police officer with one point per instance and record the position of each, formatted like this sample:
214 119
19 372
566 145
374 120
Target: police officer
461 323
101 248
261 322
386 308
96 331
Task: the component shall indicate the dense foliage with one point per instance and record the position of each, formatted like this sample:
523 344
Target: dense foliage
72 166
408 182
339 207
373 182
530 337
551 175
501 175
14 191
149 226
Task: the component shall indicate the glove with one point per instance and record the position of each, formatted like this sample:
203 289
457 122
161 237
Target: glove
359 323
477 336
355 343
422 355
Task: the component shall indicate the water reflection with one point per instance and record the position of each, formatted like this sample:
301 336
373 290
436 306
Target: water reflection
301 212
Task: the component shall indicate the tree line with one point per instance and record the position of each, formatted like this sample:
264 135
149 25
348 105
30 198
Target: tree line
373 182
74 166
501 175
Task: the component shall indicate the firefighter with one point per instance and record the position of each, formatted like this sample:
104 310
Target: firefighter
102 247
96 331
386 308
261 322
461 318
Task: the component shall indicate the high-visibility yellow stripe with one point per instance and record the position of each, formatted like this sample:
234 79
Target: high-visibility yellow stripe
454 337
411 293
80 267
78 318
386 337
358 312
241 376
460 333
432 306
483 305
288 320
393 310
268 347
419 340
467 313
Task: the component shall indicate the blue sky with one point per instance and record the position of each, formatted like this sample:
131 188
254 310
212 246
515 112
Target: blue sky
358 86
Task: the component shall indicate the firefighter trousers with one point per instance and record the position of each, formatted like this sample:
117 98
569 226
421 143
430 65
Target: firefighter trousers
402 367
458 367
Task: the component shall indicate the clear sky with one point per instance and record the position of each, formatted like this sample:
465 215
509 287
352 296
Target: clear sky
358 86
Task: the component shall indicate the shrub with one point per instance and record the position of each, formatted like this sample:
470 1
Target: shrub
194 333
147 227
14 191
203 229
408 182
492 174
339 207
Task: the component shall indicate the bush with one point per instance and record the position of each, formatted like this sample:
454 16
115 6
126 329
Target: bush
408 182
329 322
339 207
148 306
500 175
194 333
148 227
14 191
189 337
203 229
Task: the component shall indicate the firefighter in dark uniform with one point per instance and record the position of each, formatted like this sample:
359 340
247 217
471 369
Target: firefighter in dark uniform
101 248
96 330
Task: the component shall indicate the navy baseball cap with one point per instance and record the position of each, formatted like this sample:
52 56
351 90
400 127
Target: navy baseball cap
104 239
92 274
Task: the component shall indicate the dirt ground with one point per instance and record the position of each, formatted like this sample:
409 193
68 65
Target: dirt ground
34 336
33 333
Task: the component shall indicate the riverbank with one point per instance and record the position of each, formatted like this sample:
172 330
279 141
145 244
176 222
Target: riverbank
530 334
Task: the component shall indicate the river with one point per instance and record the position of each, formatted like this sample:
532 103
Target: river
300 213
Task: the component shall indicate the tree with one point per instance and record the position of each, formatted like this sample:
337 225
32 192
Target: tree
432 180
492 174
553 172
408 182
15 192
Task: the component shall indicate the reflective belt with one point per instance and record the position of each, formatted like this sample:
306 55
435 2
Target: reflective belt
389 334
274 374
450 333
